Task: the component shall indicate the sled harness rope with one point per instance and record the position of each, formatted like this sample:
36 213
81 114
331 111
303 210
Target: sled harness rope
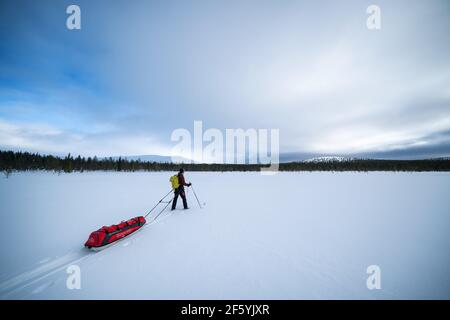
160 201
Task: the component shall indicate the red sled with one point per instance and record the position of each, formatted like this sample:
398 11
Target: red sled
106 236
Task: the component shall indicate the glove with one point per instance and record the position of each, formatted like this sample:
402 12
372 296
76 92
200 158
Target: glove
189 184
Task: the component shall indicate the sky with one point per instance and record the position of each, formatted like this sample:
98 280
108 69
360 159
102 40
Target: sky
136 71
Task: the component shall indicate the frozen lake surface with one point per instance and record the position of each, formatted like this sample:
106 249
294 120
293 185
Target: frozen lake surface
288 236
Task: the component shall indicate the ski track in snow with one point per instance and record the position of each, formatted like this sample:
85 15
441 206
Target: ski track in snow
48 268
37 275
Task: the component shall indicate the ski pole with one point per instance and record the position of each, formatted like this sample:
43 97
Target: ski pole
157 204
196 197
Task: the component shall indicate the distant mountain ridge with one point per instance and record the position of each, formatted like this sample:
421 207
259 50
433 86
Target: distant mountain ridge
153 158
284 158
330 159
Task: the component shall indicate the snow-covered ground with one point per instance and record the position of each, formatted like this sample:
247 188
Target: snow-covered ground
287 236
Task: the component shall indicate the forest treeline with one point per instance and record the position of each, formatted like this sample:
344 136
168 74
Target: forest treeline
24 161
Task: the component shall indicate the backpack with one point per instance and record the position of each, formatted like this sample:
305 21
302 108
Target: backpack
174 181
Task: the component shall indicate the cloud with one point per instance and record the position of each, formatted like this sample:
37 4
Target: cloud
46 139
134 73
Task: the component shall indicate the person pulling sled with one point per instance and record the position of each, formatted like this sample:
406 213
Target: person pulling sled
178 184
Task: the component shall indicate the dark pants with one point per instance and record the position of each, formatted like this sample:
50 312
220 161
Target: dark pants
179 192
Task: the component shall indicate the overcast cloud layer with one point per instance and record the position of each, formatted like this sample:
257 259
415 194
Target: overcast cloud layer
138 70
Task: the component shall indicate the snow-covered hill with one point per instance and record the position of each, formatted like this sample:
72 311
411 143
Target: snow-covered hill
329 159
291 236
154 158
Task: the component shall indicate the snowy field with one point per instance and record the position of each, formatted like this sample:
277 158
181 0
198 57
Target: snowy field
287 236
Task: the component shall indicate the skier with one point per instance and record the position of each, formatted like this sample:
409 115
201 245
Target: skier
180 190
